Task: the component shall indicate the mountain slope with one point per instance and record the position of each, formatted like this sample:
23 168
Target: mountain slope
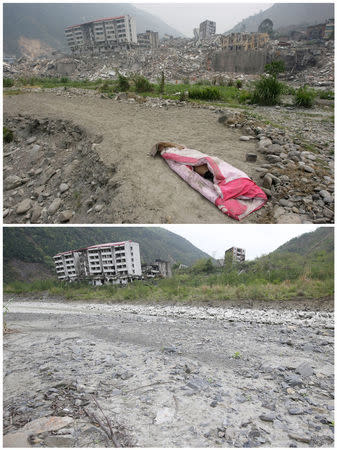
45 22
307 244
287 14
27 246
309 255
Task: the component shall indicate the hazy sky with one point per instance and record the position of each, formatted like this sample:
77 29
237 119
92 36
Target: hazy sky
186 16
255 239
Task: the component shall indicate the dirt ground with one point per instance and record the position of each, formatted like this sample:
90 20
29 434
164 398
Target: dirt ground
170 376
149 192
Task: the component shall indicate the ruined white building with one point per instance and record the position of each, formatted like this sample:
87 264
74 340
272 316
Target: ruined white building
206 29
149 39
234 255
102 34
115 263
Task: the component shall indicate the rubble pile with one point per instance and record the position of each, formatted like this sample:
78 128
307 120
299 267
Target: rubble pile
52 173
320 75
299 183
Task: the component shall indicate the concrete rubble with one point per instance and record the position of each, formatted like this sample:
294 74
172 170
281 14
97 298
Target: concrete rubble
180 59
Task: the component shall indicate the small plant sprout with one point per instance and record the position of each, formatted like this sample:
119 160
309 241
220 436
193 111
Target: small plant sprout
237 355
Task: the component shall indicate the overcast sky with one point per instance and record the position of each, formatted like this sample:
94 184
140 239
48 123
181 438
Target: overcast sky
255 239
188 15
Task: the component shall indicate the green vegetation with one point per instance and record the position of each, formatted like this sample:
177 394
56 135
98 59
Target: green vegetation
267 91
8 135
305 97
123 84
204 93
301 268
8 82
275 68
326 95
142 84
237 355
161 84
239 84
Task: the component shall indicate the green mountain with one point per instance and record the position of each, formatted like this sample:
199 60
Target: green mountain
309 244
28 251
44 23
309 255
288 14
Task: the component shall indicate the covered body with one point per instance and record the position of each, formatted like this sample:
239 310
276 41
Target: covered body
231 190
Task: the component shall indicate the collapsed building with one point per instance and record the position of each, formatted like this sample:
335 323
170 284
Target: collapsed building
102 34
159 268
249 53
112 263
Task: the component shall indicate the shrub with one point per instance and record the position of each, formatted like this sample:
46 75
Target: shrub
230 82
7 135
239 84
162 83
326 95
205 93
305 97
142 84
64 80
123 84
267 91
186 80
8 82
275 68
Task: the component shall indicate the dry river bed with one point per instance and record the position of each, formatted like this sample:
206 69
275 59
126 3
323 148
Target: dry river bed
167 376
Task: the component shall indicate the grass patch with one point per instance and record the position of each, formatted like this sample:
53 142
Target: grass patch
8 82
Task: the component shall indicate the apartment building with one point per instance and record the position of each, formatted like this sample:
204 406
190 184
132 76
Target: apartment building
149 39
102 34
114 263
207 29
234 255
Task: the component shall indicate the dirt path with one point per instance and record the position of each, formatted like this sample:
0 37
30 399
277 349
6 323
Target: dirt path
149 192
172 376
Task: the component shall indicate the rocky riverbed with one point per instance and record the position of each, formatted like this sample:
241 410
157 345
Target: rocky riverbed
95 375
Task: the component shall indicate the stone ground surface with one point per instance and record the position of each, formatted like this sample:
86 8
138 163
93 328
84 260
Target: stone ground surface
93 165
168 376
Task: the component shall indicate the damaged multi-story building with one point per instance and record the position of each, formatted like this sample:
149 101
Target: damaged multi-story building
102 35
114 263
149 39
207 29
234 255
